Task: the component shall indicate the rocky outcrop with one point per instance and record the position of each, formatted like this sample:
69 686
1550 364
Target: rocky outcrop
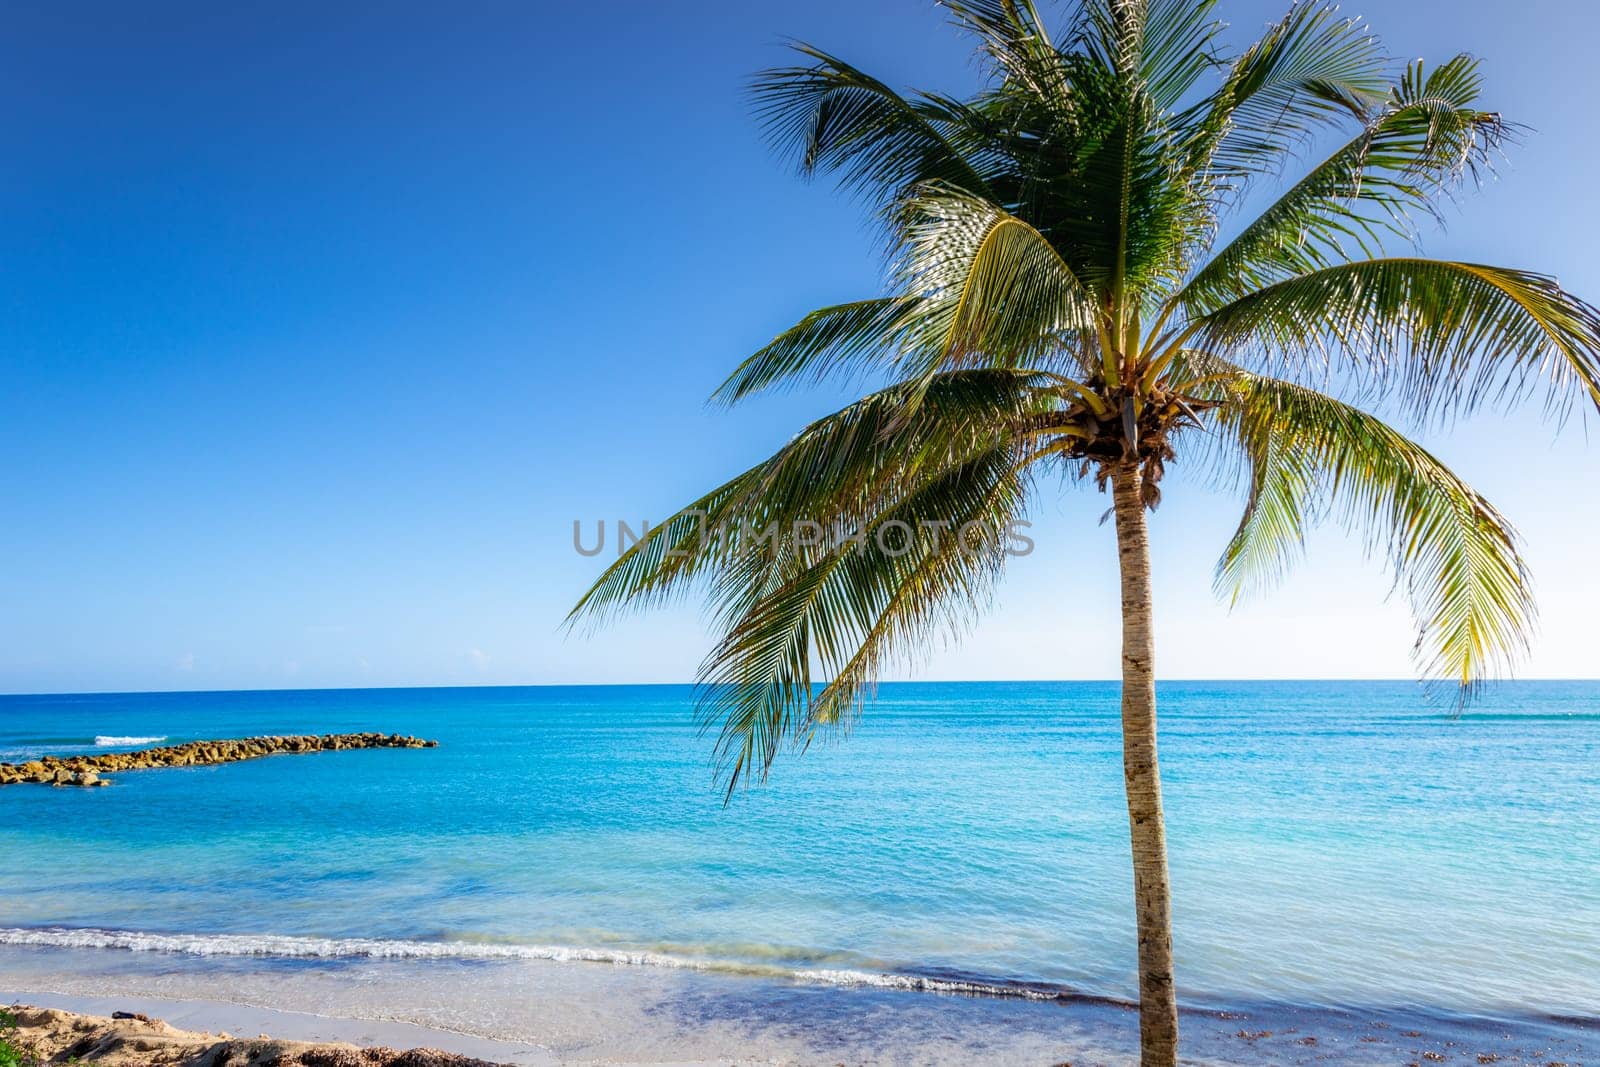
86 770
46 1036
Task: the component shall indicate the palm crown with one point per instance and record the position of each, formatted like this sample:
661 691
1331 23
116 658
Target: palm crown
1072 292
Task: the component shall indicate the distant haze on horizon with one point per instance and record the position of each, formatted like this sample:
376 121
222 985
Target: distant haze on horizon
324 325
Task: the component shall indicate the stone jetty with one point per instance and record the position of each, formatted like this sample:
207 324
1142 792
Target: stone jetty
87 770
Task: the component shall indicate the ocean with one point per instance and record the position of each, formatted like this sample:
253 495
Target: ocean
1352 851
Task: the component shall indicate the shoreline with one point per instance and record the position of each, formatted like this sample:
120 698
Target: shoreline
270 949
290 946
533 1013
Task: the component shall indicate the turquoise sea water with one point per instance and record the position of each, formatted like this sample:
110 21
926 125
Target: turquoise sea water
1333 844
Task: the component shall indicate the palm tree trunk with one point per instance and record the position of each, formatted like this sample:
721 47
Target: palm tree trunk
1158 1005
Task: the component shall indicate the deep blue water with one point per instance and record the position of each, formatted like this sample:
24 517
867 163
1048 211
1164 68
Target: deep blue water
1332 843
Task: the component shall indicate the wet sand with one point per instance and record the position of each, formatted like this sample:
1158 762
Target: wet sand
539 1012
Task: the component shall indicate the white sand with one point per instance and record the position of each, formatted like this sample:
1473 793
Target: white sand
240 1020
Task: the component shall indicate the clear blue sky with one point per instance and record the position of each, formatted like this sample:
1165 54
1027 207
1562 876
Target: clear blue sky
323 322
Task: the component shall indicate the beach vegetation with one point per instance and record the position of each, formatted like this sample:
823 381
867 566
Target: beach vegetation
14 1052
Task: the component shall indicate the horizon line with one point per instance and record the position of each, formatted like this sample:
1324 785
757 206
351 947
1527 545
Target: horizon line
1421 683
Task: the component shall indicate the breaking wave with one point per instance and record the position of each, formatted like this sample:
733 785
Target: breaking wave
293 947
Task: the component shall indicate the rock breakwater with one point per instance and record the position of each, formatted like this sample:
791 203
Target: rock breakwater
87 770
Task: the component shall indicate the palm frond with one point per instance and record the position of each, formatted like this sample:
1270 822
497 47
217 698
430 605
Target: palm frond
1179 46
851 339
1111 34
1017 43
993 290
1310 455
1309 70
844 614
831 116
842 465
1436 336
1426 140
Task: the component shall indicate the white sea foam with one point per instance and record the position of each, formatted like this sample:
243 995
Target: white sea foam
111 741
290 947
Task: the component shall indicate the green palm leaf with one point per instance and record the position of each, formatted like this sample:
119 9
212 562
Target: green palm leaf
1310 70
1433 335
836 472
1428 137
830 116
1015 39
1309 455
850 339
992 288
842 614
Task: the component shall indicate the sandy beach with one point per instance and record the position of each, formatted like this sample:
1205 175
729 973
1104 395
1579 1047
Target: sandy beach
105 1030
532 1014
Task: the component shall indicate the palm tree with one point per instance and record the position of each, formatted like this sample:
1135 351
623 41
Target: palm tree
1074 292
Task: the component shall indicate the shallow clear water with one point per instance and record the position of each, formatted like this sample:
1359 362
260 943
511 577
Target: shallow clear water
1332 843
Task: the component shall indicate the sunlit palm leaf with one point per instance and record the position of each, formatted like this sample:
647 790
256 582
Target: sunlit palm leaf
1436 336
1309 455
1161 47
1309 70
993 289
1424 141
